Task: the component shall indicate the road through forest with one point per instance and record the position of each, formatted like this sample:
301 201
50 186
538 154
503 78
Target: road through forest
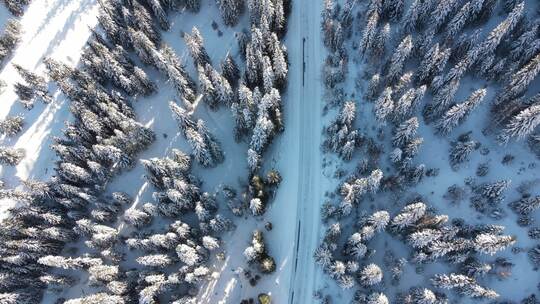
309 51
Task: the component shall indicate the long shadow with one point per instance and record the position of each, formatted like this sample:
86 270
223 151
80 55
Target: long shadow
61 35
43 122
59 7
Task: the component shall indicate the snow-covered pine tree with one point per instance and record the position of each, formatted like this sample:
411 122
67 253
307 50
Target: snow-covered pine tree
263 132
491 244
373 88
460 151
384 105
409 215
458 22
370 275
379 46
451 281
159 13
195 44
231 10
280 66
11 156
441 100
526 205
523 124
11 125
369 34
229 70
405 132
9 38
97 298
459 112
397 61
520 81
408 103
441 12
393 10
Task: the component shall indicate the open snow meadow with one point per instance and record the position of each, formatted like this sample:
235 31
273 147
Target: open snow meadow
269 151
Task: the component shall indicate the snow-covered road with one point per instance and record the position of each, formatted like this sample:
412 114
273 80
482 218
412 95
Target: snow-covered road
307 62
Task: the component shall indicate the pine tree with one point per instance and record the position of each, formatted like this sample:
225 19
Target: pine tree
460 151
384 106
35 83
405 132
97 298
280 66
254 160
323 255
369 35
408 103
411 18
458 22
526 205
155 260
11 125
397 61
10 38
377 298
268 74
230 70
523 124
409 215
353 191
519 81
441 100
370 275
231 10
451 281
11 156
459 112
137 217
441 12
373 88
262 133
393 9
159 13
477 291
196 48
491 244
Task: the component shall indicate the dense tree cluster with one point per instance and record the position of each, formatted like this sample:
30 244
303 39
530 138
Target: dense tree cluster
342 138
427 49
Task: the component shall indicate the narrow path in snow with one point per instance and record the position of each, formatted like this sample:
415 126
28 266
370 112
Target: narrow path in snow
307 34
